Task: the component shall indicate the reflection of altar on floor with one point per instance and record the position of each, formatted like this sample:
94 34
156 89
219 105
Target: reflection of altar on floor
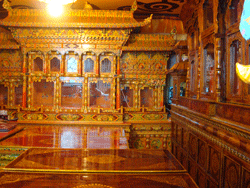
95 137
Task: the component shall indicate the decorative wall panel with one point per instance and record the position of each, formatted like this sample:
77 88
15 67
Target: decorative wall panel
11 61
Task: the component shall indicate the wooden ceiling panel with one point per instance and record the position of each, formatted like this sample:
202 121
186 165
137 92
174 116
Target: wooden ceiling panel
159 8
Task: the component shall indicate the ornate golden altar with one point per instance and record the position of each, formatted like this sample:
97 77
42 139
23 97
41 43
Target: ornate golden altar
85 68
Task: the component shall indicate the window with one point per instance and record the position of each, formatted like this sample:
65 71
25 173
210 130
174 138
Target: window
234 58
55 65
106 66
88 65
72 65
38 64
209 69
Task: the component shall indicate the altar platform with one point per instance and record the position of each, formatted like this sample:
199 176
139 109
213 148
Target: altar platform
87 157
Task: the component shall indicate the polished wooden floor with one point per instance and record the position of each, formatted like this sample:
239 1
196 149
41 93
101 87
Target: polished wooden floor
85 157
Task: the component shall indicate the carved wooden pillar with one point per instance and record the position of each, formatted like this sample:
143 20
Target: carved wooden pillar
24 91
85 94
187 82
161 98
136 97
11 89
118 94
57 94
24 78
155 97
218 55
113 94
199 72
29 95
97 65
46 68
118 65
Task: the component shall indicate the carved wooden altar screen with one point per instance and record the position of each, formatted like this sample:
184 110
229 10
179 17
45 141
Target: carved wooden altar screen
79 71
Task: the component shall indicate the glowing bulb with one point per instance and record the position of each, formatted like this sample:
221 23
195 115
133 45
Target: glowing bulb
55 9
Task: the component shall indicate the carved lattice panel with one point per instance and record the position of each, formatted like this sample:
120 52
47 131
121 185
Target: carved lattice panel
214 164
232 174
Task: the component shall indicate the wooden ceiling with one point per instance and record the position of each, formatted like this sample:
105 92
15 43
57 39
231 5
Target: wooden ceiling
159 8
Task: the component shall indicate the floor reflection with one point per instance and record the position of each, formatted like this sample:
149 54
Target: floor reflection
57 136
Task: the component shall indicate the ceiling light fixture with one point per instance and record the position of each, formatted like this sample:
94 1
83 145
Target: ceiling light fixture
55 7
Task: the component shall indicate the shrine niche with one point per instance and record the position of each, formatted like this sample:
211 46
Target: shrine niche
55 63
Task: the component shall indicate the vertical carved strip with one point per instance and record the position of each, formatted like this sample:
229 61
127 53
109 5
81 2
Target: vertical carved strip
46 64
113 94
118 65
97 64
85 94
24 78
155 97
11 89
60 94
24 91
199 73
57 93
188 81
29 92
136 97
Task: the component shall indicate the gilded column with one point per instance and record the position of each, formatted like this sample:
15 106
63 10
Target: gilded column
97 65
24 79
57 94
11 92
29 95
136 97
113 94
218 69
187 82
155 97
160 97
85 93
118 94
46 64
199 73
